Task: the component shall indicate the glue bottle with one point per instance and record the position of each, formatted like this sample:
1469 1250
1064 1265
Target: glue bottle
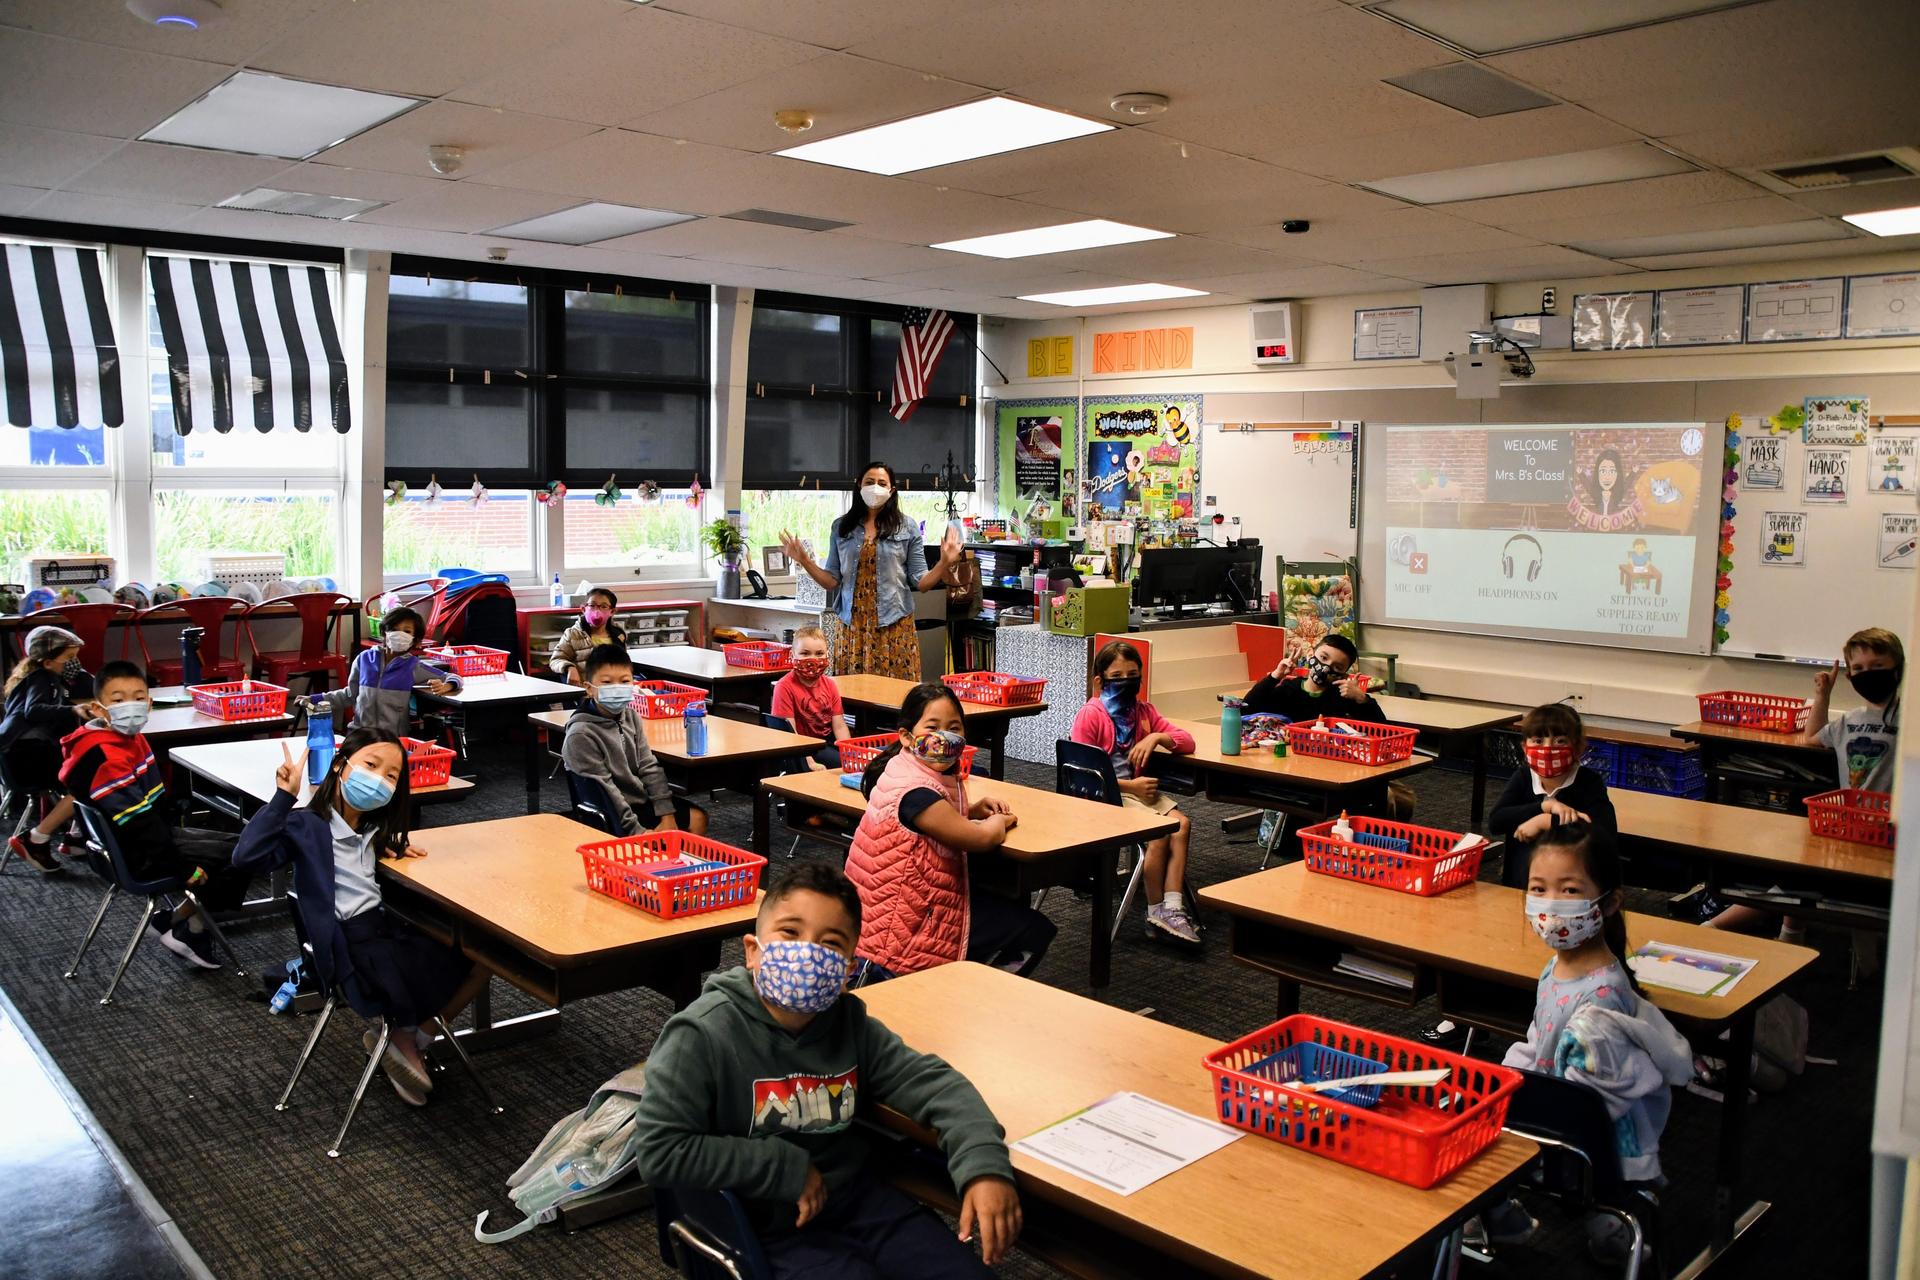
1343 830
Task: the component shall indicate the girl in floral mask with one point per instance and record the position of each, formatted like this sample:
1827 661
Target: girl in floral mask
910 854
1554 789
594 627
807 698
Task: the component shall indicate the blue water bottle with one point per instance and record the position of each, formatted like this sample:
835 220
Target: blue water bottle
696 720
319 742
1230 725
190 639
283 998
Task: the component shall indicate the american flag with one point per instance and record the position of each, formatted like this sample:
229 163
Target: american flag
923 339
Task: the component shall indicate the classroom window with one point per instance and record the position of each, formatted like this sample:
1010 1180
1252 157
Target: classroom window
453 430
634 334
496 536
797 348
464 324
635 434
797 442
189 525
631 533
50 522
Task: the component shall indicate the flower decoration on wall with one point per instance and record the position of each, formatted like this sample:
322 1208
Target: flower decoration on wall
432 491
609 493
1723 579
478 493
396 492
552 491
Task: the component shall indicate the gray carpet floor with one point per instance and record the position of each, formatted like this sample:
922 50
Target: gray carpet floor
182 1070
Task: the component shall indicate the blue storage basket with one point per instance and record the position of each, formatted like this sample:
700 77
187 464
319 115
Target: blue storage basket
1308 1063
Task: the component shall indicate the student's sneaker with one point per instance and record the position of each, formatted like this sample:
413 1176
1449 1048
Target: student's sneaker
1609 1240
38 856
1510 1223
1169 923
195 948
409 1081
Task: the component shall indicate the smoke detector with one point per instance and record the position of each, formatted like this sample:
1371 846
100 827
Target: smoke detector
182 15
1140 105
793 121
446 159
498 253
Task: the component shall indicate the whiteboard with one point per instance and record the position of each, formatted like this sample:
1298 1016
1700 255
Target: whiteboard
1296 503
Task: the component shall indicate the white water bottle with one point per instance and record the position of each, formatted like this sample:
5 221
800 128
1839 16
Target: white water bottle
557 594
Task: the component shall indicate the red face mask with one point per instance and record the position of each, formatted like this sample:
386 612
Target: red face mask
1548 762
809 669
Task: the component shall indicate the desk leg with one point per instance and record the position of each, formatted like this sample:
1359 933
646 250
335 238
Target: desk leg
536 742
997 743
1100 954
1479 779
762 821
1733 1126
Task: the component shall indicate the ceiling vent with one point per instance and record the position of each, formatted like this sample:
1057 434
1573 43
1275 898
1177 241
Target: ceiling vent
1847 171
301 204
774 218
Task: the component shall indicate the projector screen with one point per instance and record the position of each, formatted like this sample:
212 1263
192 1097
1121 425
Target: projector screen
1588 533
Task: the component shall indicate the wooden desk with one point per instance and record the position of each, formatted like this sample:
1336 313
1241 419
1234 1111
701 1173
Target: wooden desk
504 695
177 723
512 894
875 704
1719 742
1059 839
1307 787
1473 947
706 668
1255 1208
239 776
1457 728
735 750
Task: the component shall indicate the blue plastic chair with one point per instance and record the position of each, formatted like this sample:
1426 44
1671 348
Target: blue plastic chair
110 864
707 1235
591 803
1087 772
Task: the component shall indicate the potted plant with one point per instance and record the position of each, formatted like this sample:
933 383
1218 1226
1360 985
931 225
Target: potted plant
726 543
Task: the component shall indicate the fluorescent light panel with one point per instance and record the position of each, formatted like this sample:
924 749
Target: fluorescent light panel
1772 233
1066 237
1500 26
1541 173
591 223
1113 294
966 132
1888 222
301 204
264 115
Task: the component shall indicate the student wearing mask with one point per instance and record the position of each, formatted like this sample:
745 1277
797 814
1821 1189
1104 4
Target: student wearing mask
606 742
383 678
593 628
39 693
1328 688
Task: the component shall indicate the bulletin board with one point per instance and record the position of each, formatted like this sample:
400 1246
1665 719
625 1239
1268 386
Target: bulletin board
1143 458
1037 447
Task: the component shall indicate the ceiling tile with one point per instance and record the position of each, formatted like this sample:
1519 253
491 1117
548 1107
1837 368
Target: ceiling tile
465 206
1756 211
243 30
15 201
46 157
184 175
1454 144
831 24
1902 194
111 211
1163 259
1671 191
90 88
1299 282
429 47
1389 234
1782 254
363 184
492 138
1546 262
644 61
615 164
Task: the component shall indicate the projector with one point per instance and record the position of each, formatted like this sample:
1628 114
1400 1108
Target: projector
1477 374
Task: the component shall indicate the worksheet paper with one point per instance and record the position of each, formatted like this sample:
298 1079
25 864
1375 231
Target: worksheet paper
1700 317
1698 973
1795 310
1127 1142
1387 333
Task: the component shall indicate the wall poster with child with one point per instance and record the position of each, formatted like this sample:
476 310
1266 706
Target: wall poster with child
1143 457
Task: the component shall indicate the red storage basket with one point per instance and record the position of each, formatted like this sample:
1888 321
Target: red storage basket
1428 868
1369 744
1865 817
240 700
665 700
658 873
469 660
1767 712
995 689
763 654
1413 1134
857 753
428 763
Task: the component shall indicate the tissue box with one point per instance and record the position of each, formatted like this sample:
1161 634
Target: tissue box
1088 611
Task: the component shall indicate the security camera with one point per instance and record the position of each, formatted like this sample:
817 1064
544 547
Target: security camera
1296 226
445 158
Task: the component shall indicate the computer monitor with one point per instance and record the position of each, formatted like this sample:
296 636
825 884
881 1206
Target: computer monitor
1191 579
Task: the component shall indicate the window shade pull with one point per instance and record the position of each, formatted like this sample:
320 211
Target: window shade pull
449 375
963 402
810 388
619 291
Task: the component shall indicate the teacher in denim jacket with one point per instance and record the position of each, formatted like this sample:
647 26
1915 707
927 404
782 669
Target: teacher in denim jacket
874 565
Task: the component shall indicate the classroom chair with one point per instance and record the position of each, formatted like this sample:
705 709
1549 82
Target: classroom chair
110 864
771 721
1087 772
210 614
32 808
319 621
707 1235
1580 1162
90 622
591 803
334 994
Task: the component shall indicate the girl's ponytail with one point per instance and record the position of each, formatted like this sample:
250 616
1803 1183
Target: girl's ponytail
21 670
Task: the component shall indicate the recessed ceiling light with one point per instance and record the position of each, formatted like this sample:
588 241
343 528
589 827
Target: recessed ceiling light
1500 26
265 115
1116 293
1888 222
590 223
1064 238
1470 88
1804 232
300 204
1541 173
967 132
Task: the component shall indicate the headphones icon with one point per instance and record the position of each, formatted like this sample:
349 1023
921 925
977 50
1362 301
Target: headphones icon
1533 566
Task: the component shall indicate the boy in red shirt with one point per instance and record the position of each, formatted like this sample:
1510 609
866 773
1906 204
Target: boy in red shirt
808 698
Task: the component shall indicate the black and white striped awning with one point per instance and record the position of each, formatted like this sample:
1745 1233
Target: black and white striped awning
57 354
249 342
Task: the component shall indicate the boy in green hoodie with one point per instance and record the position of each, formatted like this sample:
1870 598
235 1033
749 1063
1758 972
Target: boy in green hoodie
753 1089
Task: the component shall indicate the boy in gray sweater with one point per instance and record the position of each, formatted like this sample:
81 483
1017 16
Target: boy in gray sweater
754 1087
606 742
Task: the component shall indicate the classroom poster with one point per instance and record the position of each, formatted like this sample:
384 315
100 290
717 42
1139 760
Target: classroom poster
1009 474
1143 458
1835 420
1826 477
1763 462
1893 459
1783 538
1898 536
1036 454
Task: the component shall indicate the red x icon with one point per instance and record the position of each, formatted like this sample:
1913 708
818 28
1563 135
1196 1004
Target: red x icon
1417 562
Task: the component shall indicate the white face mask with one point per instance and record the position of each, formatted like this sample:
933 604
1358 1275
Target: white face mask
875 495
399 641
1564 923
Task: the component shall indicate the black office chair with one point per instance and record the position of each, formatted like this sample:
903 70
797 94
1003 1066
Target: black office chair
592 805
334 994
103 854
1580 1162
1087 772
707 1235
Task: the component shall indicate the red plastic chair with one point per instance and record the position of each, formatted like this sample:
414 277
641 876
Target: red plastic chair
315 656
430 604
210 614
90 623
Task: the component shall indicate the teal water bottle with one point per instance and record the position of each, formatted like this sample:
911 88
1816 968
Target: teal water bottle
1230 725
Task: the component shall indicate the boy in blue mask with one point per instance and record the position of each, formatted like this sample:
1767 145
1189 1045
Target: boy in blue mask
607 741
754 1088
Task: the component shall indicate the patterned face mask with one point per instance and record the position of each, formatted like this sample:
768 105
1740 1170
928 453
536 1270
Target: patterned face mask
937 748
804 977
1323 673
1548 761
809 669
1563 923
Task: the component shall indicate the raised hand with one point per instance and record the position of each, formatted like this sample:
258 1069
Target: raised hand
292 771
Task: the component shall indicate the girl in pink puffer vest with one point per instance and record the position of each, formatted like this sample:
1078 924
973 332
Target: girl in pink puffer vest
910 852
